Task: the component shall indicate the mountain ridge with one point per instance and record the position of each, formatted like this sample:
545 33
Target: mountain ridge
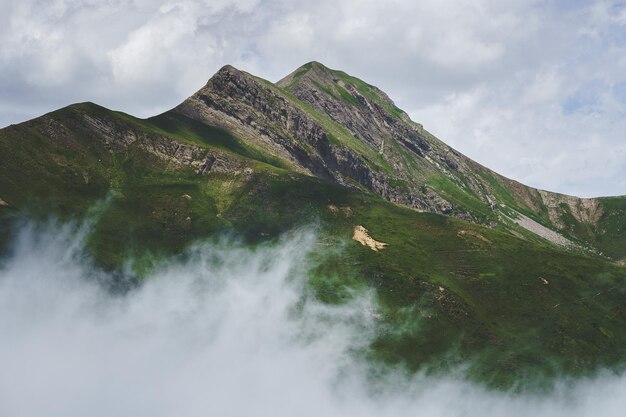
393 156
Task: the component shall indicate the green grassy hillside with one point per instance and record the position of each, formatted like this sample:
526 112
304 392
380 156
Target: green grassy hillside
449 291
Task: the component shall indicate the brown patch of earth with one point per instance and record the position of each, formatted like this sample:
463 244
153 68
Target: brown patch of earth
345 210
362 236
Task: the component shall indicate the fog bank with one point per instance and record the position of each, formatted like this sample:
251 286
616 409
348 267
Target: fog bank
228 331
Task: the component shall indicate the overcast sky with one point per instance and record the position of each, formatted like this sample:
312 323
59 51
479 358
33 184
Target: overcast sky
535 90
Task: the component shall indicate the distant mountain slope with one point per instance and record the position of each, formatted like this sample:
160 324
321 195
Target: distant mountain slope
475 267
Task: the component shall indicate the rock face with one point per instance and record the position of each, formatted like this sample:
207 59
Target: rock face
414 155
264 115
356 145
367 112
238 102
584 210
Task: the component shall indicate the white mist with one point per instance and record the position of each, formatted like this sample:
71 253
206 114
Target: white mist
227 332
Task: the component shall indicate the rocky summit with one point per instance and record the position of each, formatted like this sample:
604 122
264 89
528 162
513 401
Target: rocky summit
466 265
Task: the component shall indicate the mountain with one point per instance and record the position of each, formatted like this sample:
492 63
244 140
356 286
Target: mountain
467 265
337 127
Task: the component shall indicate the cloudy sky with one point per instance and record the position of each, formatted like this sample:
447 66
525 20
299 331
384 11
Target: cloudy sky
533 89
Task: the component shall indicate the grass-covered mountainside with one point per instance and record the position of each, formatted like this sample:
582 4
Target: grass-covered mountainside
476 269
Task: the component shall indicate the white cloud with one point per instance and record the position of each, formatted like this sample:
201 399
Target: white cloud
533 79
227 332
145 56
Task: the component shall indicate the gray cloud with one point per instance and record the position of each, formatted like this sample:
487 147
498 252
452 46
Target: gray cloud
532 89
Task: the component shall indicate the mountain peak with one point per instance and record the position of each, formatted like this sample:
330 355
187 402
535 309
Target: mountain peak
338 86
227 71
315 65
365 110
228 68
313 69
312 66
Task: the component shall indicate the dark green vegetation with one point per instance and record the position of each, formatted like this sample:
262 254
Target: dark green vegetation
450 291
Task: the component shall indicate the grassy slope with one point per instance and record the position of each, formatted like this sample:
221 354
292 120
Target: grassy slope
448 290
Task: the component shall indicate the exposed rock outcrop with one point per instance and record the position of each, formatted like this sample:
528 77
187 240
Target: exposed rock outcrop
117 136
584 210
264 115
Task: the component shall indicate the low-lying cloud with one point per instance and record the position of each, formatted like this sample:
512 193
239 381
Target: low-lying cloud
225 331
